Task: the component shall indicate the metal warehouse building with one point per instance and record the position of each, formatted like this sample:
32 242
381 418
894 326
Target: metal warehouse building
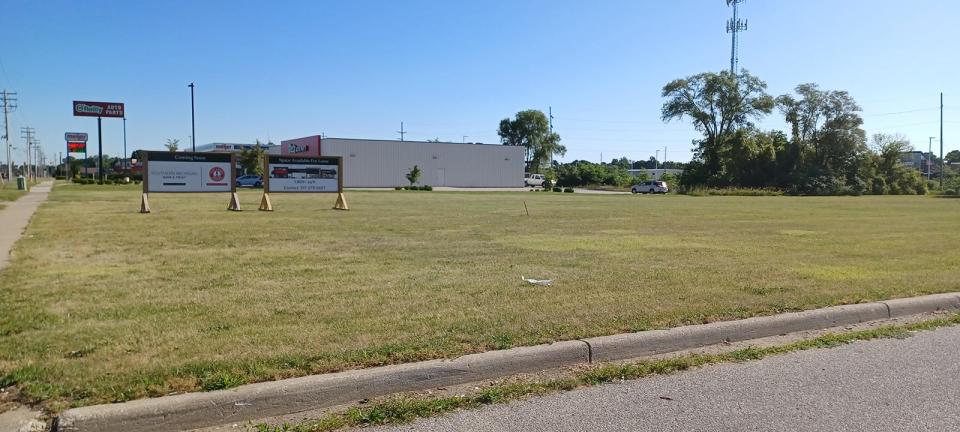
383 163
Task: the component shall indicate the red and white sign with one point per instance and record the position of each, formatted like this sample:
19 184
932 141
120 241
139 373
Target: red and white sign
309 146
216 174
97 109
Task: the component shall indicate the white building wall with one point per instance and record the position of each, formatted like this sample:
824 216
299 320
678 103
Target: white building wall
375 163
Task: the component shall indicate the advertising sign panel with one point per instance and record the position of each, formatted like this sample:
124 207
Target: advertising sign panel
303 174
308 146
189 172
75 136
97 109
76 147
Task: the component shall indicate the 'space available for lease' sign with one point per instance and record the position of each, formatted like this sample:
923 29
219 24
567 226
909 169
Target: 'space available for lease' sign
188 172
303 174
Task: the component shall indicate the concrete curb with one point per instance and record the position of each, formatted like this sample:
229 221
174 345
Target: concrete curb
254 401
196 410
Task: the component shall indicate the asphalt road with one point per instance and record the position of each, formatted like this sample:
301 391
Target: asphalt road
883 385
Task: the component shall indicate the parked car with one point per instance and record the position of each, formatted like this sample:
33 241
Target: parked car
533 180
652 186
249 181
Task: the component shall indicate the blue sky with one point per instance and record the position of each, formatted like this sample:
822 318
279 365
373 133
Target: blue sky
277 70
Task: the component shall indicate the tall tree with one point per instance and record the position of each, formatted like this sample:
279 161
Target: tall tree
172 144
531 129
718 104
826 134
251 159
953 156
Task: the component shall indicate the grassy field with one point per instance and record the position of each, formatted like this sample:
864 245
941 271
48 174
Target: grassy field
9 192
104 304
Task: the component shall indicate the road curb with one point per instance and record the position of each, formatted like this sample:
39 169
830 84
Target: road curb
253 401
648 343
268 399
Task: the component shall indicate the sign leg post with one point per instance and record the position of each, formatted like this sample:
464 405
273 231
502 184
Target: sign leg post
234 202
265 204
144 204
341 202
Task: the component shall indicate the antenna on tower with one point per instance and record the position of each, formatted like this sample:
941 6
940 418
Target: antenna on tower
734 26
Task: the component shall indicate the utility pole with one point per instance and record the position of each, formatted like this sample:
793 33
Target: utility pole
125 166
9 106
193 123
930 156
734 27
656 160
941 141
664 156
27 133
401 132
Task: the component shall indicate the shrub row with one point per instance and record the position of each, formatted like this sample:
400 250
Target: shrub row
90 181
555 189
415 188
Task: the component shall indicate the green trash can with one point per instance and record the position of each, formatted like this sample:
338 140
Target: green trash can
21 183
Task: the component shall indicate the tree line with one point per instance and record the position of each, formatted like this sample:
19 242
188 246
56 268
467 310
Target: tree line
826 152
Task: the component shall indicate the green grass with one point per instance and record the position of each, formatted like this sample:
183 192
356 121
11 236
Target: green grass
9 192
404 409
103 304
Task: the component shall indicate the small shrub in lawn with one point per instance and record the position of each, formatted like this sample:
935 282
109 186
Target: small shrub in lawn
950 192
568 190
398 188
426 188
557 189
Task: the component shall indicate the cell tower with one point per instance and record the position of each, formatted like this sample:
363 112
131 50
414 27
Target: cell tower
734 26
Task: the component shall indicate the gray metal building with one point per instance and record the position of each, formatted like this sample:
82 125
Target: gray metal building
383 163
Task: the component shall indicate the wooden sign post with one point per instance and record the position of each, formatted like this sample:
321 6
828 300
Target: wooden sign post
299 174
189 172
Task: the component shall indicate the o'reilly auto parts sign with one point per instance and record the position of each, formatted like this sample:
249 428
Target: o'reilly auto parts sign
189 172
97 109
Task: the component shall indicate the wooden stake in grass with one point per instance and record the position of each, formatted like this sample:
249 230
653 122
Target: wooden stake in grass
265 204
234 201
525 208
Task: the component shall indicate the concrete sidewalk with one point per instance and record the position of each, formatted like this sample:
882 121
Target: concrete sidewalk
15 217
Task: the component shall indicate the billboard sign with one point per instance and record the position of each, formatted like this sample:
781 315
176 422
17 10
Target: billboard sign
189 172
76 147
303 174
97 109
308 146
75 136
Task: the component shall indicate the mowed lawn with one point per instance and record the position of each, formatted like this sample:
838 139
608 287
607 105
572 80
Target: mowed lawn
104 304
9 192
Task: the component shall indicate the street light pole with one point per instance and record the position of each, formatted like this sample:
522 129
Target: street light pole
125 166
193 123
930 156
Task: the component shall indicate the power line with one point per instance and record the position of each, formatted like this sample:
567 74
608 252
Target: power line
901 112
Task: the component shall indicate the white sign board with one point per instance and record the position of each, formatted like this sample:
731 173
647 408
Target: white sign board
189 172
303 174
75 136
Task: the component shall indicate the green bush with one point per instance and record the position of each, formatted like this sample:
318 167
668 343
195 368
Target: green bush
557 189
426 188
398 188
568 190
702 191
